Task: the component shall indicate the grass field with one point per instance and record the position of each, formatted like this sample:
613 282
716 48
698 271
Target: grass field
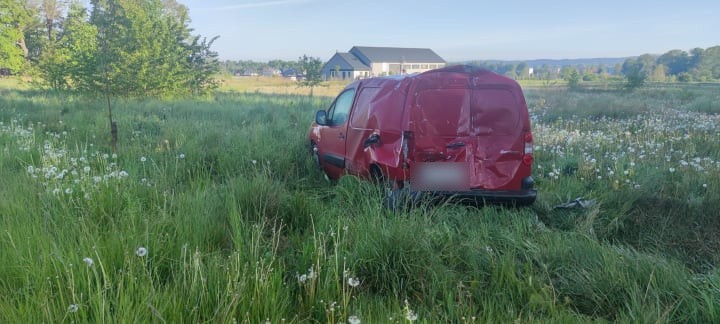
210 210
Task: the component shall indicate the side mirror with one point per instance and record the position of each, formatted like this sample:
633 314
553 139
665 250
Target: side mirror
321 117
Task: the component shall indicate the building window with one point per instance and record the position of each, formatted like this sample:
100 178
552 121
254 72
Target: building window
432 66
406 66
424 66
416 66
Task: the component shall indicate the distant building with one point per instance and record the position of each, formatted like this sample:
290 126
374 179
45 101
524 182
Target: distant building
364 61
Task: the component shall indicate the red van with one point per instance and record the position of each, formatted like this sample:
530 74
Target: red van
458 131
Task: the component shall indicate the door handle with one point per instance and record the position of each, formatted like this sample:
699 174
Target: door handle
341 136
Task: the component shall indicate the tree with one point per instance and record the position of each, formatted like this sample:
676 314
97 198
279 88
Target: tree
658 73
636 71
15 16
312 68
573 79
676 61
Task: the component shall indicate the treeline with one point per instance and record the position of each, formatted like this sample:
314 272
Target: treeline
676 65
698 64
119 47
243 67
525 71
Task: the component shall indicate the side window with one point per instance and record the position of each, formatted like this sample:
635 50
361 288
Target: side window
340 110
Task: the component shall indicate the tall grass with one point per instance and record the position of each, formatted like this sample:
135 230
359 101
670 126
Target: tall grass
212 211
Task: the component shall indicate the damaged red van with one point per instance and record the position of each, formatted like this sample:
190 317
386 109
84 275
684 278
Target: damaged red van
458 132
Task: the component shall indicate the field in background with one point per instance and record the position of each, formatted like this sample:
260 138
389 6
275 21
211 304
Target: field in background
278 85
211 211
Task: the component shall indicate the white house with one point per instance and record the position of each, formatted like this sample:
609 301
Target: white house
364 61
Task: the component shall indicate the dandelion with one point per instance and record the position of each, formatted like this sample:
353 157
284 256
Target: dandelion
73 308
143 159
704 185
551 174
626 172
86 169
409 313
181 156
672 170
141 251
106 156
56 191
114 156
353 282
89 261
353 319
122 174
30 169
68 191
302 278
254 162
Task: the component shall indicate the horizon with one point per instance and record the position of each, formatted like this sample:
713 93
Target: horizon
263 30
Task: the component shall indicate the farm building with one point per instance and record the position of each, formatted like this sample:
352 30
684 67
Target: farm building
364 61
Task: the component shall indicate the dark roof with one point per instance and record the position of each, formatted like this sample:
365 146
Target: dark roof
353 62
397 54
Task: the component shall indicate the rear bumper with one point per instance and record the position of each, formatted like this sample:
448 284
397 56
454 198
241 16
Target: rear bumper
518 198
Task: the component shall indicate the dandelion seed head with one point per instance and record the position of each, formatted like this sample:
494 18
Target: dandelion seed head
353 282
89 261
141 251
73 308
353 319
143 159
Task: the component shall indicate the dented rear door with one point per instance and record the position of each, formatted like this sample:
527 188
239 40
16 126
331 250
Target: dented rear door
480 126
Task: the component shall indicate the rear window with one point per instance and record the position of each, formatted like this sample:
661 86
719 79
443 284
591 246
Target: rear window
494 111
463 112
442 112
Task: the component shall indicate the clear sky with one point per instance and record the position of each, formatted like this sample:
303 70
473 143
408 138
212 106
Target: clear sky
262 30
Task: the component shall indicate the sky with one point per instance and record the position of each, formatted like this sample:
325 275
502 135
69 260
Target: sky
460 30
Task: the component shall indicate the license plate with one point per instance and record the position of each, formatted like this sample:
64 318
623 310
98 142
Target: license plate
440 176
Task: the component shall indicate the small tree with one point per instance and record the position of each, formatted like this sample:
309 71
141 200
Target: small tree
573 80
312 68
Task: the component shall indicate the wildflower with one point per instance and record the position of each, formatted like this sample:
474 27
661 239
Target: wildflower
141 251
143 159
122 174
254 162
56 191
68 191
106 156
89 261
114 156
551 174
353 319
73 308
409 314
30 169
704 185
626 172
181 156
86 169
353 282
302 278
672 170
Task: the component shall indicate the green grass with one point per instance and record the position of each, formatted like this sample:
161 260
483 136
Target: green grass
239 226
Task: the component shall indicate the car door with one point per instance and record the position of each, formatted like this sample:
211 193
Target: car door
333 135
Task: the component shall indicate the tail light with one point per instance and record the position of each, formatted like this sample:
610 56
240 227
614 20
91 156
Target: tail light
528 154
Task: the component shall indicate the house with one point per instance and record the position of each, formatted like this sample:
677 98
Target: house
365 61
